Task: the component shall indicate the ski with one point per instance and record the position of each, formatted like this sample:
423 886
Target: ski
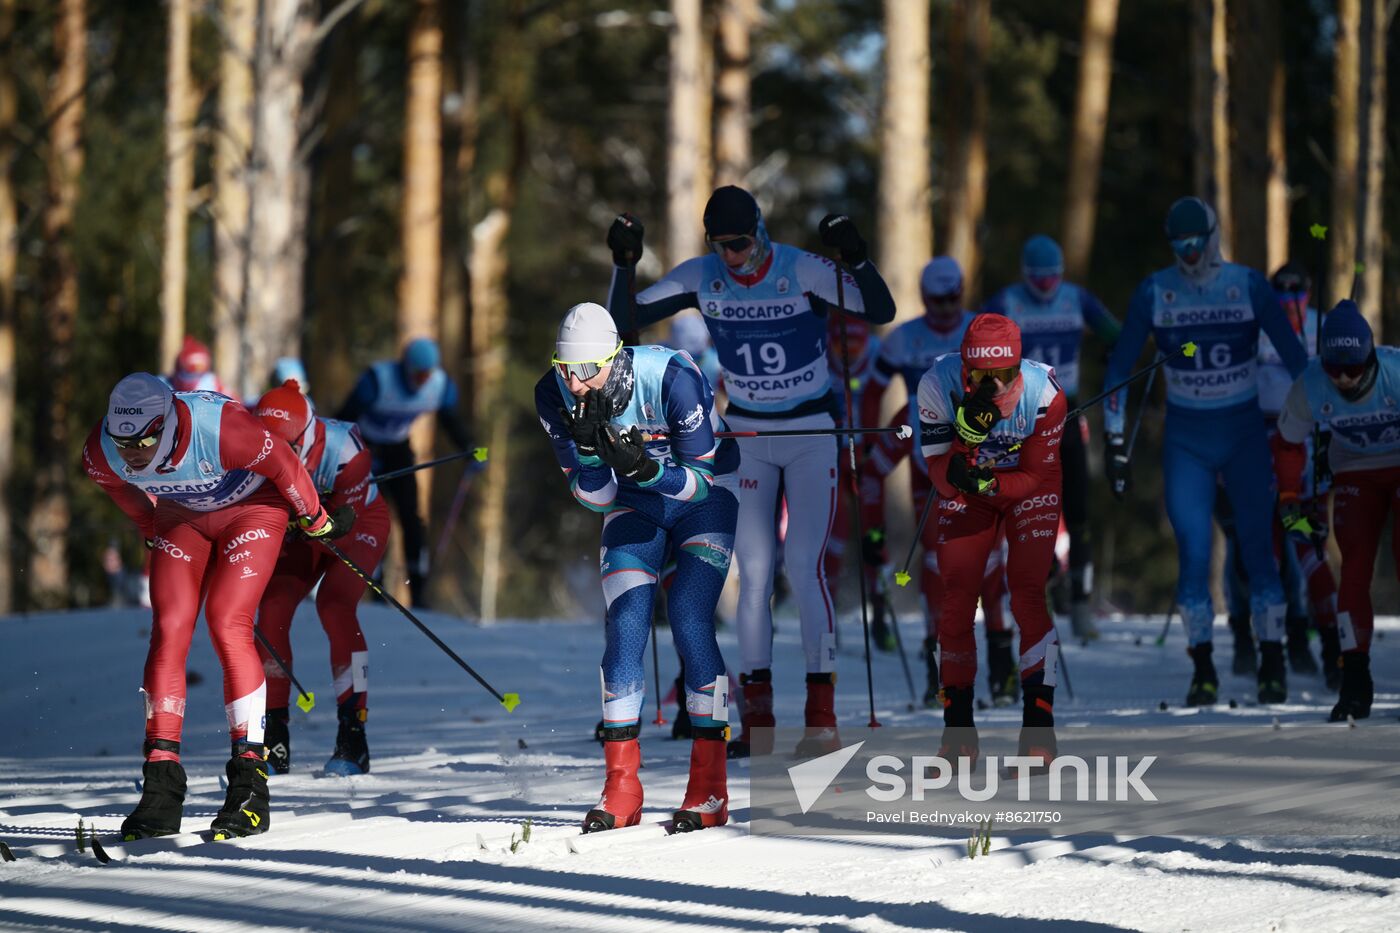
5 853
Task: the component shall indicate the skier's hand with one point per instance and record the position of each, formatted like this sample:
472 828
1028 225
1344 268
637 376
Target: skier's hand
1115 465
626 453
586 421
976 415
838 231
970 480
1302 521
625 240
872 548
326 526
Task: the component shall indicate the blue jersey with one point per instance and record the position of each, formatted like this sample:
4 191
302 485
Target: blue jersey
671 402
769 328
342 443
198 481
944 382
911 348
1223 318
1365 433
1051 331
388 417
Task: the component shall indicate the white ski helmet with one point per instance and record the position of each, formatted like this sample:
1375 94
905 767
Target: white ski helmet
586 335
138 406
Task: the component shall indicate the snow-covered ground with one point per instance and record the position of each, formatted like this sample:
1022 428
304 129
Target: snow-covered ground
401 848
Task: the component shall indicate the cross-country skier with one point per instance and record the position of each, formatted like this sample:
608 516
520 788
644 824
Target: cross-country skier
633 429
1213 428
1353 390
1301 565
766 305
389 396
689 333
908 351
339 464
1053 315
212 492
990 425
194 369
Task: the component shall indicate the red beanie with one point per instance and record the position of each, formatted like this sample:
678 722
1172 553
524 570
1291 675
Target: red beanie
285 412
992 341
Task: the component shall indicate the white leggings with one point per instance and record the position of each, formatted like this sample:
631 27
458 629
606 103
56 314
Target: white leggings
805 469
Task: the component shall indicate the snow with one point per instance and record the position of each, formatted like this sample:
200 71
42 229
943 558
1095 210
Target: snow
401 848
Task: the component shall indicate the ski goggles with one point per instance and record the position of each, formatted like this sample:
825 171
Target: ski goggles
1191 247
1043 282
142 441
1005 374
1349 370
586 369
732 244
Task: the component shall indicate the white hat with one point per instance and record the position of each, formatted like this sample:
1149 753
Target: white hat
587 334
135 402
942 276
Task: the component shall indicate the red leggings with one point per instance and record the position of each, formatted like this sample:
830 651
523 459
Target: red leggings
1360 501
303 563
228 555
967 534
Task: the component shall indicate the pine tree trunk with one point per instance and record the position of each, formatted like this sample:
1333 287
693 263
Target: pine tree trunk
967 193
733 139
1371 151
684 231
1086 143
233 154
1210 126
1346 158
64 108
9 261
461 112
1278 207
1255 27
906 212
179 176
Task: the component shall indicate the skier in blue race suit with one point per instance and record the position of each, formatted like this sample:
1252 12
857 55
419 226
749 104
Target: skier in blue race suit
633 429
766 305
1213 428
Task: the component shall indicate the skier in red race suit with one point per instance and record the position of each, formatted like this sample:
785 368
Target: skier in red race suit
212 492
990 429
339 464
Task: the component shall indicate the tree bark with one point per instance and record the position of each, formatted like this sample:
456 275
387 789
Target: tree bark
179 177
1371 150
1255 27
684 231
1346 186
9 265
733 138
64 108
1210 125
233 153
906 211
1086 143
967 193
1278 205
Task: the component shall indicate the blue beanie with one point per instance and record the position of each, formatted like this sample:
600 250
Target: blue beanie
1042 254
1346 337
421 354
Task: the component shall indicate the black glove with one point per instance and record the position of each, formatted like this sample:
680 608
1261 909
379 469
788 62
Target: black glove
1115 465
626 453
625 240
323 526
970 480
590 414
872 548
839 231
976 415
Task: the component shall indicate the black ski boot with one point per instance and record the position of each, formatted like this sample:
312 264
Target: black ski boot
1002 673
277 739
959 731
1038 726
1357 688
680 726
1331 657
931 698
1205 685
1300 659
1246 660
162 797
245 810
881 635
1273 673
351 755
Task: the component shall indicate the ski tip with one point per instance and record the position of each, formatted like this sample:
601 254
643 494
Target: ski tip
1189 349
479 454
99 852
510 701
306 702
902 578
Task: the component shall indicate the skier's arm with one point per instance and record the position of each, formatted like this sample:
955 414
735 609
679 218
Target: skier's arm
688 402
352 478
1275 323
863 291
244 444
1098 318
1295 423
1037 459
875 386
362 398
448 418
135 503
678 290
590 479
1125 354
938 441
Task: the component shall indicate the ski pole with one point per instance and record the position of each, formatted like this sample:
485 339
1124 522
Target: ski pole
509 700
1166 627
449 526
898 640
902 577
1063 664
902 432
1142 408
478 453
306 701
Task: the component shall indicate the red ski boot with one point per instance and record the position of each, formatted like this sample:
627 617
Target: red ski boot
758 714
820 735
621 803
707 793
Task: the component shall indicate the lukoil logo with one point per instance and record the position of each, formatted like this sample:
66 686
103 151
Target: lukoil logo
987 353
257 534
